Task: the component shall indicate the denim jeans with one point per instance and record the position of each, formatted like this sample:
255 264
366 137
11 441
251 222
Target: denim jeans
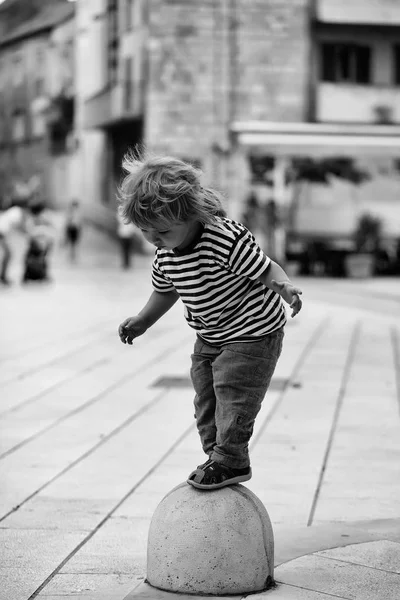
230 382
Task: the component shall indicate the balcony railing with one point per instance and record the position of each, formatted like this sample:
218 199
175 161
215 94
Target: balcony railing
113 104
98 109
361 12
357 103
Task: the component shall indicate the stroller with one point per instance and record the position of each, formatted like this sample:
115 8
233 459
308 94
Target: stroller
36 261
39 245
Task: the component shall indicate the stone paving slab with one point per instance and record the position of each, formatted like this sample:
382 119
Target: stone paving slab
144 591
345 577
287 592
86 586
383 555
82 393
29 556
365 571
70 349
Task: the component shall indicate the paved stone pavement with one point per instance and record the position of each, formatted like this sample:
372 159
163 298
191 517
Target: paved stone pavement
93 434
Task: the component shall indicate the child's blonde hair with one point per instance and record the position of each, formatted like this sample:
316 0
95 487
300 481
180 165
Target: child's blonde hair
162 190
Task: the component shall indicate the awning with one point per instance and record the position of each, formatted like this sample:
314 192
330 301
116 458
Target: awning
318 139
101 111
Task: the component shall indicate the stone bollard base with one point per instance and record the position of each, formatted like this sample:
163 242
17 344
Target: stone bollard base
210 542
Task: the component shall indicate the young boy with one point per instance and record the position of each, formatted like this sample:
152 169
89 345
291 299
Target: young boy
232 295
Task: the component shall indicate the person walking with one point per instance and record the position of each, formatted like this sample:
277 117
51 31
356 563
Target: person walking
11 219
125 233
73 229
232 295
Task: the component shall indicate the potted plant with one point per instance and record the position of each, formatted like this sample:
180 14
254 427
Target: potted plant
367 235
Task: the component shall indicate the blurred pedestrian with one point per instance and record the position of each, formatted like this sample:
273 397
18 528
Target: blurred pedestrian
41 233
232 293
126 233
251 215
73 229
11 219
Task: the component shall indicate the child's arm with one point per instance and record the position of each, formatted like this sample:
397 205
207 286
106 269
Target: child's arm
158 304
277 280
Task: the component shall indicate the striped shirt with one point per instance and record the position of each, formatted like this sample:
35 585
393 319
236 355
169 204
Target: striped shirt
217 281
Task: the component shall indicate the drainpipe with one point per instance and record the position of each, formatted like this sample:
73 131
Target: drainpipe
233 54
145 67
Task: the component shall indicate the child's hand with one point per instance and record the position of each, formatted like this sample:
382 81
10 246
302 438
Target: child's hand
289 293
130 329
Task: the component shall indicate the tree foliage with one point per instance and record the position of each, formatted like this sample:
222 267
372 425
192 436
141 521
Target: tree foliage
309 169
321 170
368 233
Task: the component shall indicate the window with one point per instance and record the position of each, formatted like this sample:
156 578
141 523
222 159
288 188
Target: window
2 117
67 64
129 14
345 63
39 73
38 125
396 64
112 9
18 75
39 86
18 124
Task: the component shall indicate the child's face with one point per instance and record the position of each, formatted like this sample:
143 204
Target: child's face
177 235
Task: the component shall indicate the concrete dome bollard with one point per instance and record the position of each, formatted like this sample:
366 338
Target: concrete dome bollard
210 542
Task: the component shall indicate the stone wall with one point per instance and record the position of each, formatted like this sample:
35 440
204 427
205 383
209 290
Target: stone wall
273 55
216 61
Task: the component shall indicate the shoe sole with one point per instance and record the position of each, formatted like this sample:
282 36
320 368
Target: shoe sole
216 486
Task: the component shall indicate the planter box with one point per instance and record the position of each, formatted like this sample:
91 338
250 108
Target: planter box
360 266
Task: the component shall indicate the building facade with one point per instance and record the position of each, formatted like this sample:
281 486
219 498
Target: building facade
175 75
352 123
357 67
230 85
110 98
220 82
37 102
